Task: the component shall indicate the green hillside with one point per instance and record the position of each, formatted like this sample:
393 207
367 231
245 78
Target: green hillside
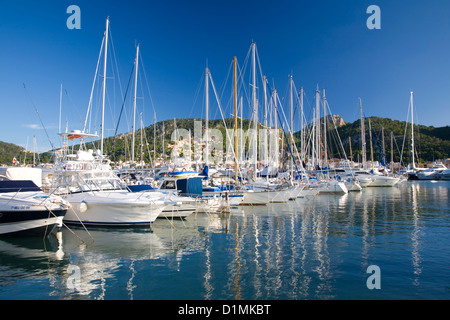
431 143
9 151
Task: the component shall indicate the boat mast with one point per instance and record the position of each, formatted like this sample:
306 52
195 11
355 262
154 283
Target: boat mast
154 138
392 151
371 148
412 131
207 116
104 85
351 152
241 149
291 81
235 121
134 103
363 137
255 110
325 157
318 126
60 103
276 153
266 161
163 143
302 134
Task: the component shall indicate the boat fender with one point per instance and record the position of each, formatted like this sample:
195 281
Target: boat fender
82 207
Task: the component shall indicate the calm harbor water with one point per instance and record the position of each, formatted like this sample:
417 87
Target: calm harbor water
317 248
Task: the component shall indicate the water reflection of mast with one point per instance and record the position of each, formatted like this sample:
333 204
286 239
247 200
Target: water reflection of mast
258 268
306 222
365 230
294 254
208 274
415 236
237 278
321 249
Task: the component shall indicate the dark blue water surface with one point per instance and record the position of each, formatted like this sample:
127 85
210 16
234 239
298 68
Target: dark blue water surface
317 248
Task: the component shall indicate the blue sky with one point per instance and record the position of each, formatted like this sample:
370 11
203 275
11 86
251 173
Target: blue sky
321 43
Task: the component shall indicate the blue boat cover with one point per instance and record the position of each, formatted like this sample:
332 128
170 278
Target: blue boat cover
18 186
190 187
140 187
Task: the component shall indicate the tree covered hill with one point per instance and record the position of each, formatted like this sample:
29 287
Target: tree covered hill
431 143
9 151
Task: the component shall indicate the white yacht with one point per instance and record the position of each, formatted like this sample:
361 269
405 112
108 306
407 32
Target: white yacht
97 195
368 179
433 173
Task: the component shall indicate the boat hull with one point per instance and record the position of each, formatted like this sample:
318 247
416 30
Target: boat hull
95 210
332 188
263 197
382 181
30 222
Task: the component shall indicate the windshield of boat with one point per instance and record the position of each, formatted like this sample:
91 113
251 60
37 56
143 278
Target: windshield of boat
84 182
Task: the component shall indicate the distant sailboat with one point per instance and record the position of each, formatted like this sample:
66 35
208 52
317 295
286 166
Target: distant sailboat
371 178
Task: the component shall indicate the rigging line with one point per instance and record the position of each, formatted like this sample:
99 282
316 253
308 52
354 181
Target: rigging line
286 138
337 132
115 60
93 84
146 81
291 134
121 110
39 117
197 92
404 135
223 119
73 105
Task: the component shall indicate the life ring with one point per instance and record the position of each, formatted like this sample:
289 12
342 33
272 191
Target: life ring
183 170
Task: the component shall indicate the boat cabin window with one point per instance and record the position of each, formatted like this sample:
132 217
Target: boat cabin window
168 184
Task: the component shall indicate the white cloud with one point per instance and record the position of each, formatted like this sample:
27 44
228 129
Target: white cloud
33 126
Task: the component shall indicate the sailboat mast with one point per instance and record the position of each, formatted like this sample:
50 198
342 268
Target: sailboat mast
291 81
276 128
207 116
60 103
255 110
412 131
235 121
363 137
134 104
351 152
325 157
383 146
163 142
154 139
266 160
318 126
302 134
104 85
371 148
392 151
142 144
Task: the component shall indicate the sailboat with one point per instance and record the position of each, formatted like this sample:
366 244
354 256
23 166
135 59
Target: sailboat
371 178
411 173
320 179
